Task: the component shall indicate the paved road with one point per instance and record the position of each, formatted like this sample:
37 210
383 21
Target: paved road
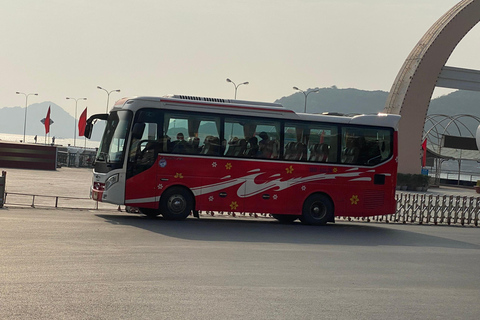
102 264
82 264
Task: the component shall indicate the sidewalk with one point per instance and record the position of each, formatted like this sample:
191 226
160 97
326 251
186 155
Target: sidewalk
448 190
70 185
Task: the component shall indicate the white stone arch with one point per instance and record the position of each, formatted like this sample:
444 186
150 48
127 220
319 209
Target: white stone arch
414 85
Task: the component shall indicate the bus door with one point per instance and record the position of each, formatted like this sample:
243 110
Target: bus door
142 173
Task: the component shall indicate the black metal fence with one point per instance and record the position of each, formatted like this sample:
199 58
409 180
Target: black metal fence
85 158
433 209
412 208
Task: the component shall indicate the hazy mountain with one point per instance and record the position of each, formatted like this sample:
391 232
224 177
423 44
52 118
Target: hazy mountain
337 100
457 103
331 99
12 121
350 101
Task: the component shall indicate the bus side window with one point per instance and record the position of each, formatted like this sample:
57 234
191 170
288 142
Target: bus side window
365 146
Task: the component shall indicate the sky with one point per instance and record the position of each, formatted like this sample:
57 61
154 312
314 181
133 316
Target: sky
60 49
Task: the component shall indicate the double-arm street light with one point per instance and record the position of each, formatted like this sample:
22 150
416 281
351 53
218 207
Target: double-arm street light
26 105
108 94
306 95
75 119
236 86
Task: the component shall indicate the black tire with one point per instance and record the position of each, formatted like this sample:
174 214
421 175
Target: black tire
152 213
176 203
285 218
317 210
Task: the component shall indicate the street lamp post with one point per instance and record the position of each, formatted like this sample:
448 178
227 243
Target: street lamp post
75 119
306 95
236 86
108 94
26 105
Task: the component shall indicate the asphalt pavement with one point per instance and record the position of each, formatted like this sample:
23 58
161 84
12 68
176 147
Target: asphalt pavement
81 263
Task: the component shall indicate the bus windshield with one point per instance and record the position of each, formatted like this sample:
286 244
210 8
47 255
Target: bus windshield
112 146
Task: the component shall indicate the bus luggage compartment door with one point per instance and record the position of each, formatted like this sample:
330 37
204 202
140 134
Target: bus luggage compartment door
221 196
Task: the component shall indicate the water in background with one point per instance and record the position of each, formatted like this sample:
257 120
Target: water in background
79 142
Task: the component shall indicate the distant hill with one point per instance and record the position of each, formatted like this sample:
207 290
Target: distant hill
332 99
348 101
351 101
12 121
456 103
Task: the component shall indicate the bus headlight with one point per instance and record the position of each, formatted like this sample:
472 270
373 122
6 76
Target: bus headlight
111 181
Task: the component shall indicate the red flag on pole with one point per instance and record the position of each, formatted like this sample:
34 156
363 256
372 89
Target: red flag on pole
47 121
424 148
82 122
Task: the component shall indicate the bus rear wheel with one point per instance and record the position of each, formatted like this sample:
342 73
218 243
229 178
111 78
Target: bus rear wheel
317 210
285 218
176 203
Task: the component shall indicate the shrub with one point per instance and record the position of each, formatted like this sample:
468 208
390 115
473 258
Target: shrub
413 181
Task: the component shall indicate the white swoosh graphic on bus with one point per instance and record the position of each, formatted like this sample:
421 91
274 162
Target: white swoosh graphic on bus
248 187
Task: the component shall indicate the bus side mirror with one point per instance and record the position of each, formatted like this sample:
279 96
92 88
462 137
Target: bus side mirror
90 122
137 131
88 130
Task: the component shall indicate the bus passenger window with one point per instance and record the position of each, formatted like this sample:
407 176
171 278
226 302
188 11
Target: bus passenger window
195 133
366 146
251 138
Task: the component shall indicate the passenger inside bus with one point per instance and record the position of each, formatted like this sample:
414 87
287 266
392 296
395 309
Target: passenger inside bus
268 149
252 147
180 145
262 145
194 143
351 151
211 146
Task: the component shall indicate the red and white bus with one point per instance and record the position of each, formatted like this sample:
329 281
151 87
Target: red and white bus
177 155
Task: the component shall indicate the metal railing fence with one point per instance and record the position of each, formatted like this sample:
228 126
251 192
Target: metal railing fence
412 208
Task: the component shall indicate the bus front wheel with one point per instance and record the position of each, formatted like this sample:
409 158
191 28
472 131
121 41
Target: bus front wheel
317 210
176 204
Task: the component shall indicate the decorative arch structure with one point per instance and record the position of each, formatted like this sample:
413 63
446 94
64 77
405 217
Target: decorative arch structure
413 87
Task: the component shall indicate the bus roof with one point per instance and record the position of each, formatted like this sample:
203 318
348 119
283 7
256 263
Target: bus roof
263 109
